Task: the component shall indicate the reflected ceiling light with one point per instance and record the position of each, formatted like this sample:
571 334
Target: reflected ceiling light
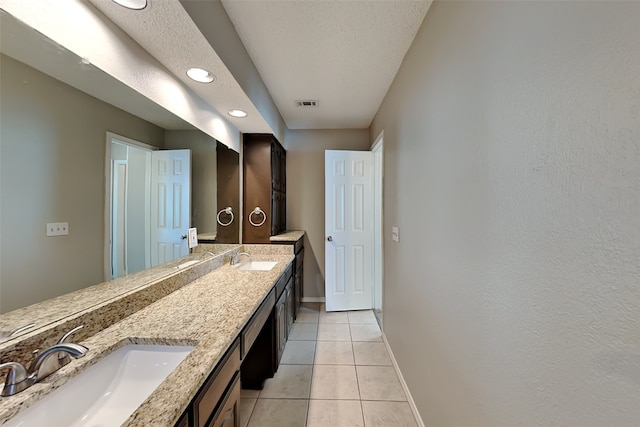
200 75
237 113
132 4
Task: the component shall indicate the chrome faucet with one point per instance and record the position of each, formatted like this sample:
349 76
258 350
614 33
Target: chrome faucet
46 363
236 258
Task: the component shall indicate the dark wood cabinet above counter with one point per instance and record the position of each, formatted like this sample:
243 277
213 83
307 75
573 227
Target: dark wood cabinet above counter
265 188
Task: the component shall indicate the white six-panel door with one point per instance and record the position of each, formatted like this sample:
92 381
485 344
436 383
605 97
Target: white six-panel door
170 204
348 230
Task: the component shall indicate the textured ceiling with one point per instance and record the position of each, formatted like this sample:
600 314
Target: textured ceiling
344 54
166 31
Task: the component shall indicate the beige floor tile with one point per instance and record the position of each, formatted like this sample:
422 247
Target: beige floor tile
334 332
334 317
304 332
307 317
388 414
334 353
379 383
334 382
335 413
371 353
246 407
298 353
249 394
279 413
291 381
363 316
360 332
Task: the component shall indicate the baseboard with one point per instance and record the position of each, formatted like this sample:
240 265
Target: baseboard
312 299
412 404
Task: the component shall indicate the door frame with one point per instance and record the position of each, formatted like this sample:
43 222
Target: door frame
377 148
114 137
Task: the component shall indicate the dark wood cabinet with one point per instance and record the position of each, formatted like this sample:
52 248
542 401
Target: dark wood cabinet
298 271
265 187
217 402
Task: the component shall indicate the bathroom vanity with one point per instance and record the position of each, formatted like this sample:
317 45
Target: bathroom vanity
229 316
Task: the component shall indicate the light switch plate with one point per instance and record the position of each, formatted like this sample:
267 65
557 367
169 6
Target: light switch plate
193 237
395 234
57 228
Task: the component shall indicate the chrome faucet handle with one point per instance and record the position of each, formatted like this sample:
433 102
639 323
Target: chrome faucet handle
63 358
16 380
65 336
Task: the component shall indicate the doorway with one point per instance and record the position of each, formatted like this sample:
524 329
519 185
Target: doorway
127 205
349 239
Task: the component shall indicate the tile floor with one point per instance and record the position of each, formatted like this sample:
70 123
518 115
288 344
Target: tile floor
335 371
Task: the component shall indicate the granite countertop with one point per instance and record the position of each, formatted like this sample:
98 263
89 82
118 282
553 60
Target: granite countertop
288 236
209 313
208 236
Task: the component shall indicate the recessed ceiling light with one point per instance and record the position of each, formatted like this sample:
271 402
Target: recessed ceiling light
132 4
237 113
200 75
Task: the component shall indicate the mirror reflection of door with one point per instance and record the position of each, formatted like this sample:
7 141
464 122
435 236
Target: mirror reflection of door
170 204
145 226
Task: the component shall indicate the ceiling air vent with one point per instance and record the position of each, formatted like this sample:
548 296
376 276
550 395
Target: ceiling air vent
307 103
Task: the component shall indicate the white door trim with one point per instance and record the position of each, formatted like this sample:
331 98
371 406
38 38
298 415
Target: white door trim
378 211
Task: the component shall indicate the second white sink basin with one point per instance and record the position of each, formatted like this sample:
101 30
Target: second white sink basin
256 265
107 393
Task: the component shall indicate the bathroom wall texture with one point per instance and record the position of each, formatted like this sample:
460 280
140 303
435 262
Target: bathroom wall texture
512 168
52 149
305 192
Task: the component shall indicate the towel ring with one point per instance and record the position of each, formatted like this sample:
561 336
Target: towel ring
229 212
257 211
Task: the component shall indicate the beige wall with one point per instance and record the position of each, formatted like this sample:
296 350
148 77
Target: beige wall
52 148
305 192
512 167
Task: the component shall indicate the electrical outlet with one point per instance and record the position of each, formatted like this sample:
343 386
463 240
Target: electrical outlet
57 228
395 234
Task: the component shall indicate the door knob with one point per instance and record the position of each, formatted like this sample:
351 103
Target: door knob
330 239
183 237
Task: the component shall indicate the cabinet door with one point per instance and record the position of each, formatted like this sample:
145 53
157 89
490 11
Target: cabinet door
281 326
229 415
290 307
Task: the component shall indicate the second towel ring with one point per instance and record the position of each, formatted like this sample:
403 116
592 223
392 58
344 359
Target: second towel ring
257 211
229 212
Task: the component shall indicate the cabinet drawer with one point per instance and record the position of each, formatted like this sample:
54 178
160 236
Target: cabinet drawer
213 391
251 331
298 245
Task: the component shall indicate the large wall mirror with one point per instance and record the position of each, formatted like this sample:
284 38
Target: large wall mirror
57 114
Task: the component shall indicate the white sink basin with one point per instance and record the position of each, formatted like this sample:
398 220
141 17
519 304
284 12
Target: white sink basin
256 266
107 393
